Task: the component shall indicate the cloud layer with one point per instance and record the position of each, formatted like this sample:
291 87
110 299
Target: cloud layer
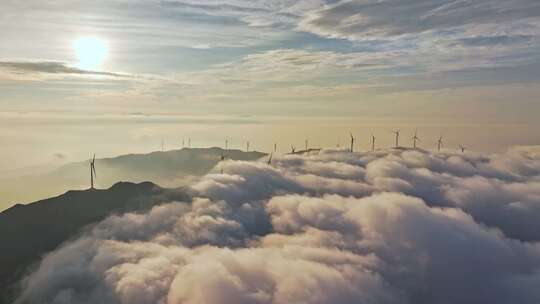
396 226
50 67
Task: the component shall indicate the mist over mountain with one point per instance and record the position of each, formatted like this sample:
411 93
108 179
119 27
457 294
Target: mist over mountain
391 226
27 232
169 169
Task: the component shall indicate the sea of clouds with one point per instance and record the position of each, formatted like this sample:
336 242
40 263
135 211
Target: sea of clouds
392 226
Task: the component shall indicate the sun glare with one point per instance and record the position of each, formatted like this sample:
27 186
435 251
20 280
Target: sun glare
90 52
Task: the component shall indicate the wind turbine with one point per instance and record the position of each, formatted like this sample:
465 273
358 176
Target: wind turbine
247 146
397 137
415 138
439 143
307 141
373 142
226 144
189 142
275 147
352 142
222 158
92 172
462 148
292 149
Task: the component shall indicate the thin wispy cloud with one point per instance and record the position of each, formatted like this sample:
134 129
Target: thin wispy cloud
49 67
357 19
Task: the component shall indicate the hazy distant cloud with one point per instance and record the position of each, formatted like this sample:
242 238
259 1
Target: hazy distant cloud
51 67
60 155
391 226
298 73
289 66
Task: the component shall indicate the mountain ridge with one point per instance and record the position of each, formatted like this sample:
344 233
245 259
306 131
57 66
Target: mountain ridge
172 168
29 231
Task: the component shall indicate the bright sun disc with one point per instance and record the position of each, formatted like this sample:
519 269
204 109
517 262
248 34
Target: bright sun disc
90 52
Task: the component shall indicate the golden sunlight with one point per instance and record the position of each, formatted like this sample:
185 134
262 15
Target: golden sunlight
90 52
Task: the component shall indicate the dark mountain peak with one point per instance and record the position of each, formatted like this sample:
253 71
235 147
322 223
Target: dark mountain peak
75 196
30 231
146 186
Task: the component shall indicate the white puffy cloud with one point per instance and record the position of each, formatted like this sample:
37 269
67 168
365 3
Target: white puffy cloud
394 226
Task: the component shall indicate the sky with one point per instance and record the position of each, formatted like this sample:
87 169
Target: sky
113 77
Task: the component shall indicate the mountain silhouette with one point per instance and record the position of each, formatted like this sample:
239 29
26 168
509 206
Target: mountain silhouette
27 232
172 168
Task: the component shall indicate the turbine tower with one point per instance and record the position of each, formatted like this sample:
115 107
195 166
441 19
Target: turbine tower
247 146
439 143
292 149
92 172
226 144
307 141
415 138
222 158
275 147
189 142
352 142
373 143
462 148
397 137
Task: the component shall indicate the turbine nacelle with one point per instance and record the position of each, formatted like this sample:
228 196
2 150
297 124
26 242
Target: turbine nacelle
415 138
397 137
439 143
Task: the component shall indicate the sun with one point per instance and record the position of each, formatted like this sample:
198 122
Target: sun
91 52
